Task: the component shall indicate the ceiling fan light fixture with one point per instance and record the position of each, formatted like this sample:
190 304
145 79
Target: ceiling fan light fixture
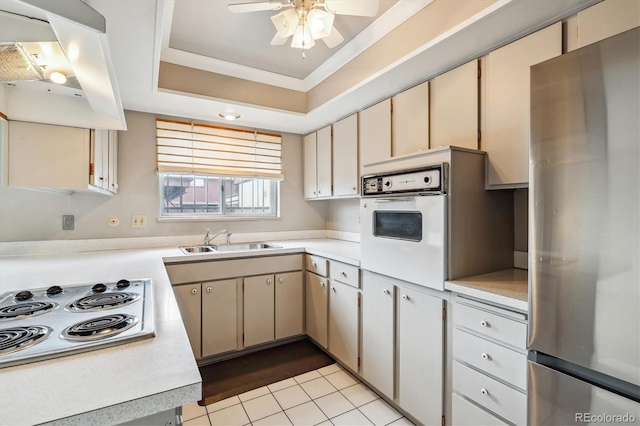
229 115
320 23
302 38
286 22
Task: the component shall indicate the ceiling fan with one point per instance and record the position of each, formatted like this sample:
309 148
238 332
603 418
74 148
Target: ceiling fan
306 21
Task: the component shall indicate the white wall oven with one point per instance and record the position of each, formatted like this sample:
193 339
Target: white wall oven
403 218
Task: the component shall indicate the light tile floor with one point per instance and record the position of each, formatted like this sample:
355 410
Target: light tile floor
328 396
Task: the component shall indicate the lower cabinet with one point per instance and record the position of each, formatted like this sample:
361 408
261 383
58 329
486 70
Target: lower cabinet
231 311
343 323
259 310
317 302
219 317
403 345
490 364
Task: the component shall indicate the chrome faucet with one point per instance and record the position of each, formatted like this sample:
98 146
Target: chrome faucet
207 239
228 238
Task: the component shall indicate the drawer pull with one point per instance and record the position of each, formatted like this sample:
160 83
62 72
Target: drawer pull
484 391
344 274
486 356
194 291
385 291
209 289
485 324
314 264
405 297
334 289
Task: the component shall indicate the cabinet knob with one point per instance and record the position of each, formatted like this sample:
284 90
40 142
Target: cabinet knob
314 264
101 178
269 281
484 391
405 297
486 356
485 324
322 284
385 291
353 188
281 280
209 289
344 274
319 192
194 291
334 289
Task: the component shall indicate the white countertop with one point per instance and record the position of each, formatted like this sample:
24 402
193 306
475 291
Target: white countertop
507 288
148 376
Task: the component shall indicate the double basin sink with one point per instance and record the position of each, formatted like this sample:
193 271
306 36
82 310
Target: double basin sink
227 248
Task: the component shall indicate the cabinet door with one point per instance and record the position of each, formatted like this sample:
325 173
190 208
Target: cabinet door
289 303
374 133
42 155
310 170
420 355
189 303
453 107
316 308
343 324
323 165
258 310
377 334
607 19
345 156
219 317
506 134
410 120
113 161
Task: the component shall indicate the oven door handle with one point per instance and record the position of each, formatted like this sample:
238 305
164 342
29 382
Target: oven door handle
393 200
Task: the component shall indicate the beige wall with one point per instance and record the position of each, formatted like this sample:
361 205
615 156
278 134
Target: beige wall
344 215
27 215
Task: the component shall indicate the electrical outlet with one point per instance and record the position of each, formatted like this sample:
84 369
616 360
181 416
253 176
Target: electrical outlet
138 220
113 221
67 222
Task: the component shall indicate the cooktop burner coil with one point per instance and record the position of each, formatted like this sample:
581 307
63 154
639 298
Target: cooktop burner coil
19 338
25 310
101 301
99 328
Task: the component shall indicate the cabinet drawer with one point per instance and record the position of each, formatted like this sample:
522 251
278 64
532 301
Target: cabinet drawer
506 364
487 392
495 326
465 413
346 274
317 265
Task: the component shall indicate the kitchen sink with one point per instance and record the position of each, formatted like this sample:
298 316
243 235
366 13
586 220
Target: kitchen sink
196 249
243 247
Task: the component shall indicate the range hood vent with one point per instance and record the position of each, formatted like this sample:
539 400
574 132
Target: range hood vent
17 65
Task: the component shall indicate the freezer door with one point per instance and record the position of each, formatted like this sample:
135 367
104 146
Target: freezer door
558 399
584 206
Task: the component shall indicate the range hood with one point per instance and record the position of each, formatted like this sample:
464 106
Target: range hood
71 31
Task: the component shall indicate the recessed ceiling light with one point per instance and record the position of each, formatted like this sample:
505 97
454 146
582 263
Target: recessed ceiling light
58 77
229 115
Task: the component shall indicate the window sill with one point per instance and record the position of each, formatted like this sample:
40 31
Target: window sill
214 219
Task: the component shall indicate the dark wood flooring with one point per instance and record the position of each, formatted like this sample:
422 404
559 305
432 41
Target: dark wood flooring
225 379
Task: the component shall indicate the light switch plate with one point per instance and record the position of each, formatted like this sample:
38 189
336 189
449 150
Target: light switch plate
138 220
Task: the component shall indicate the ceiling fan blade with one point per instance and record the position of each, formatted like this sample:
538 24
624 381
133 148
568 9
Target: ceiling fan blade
352 7
333 39
277 40
255 7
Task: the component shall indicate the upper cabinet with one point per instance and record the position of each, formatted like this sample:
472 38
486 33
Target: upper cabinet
601 21
410 120
62 158
317 164
453 111
505 135
375 133
345 157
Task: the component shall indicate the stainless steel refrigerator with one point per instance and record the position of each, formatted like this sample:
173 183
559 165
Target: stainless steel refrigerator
584 204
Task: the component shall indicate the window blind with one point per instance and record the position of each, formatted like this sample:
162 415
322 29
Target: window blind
203 148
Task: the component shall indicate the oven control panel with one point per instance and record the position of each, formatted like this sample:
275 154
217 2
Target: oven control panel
424 181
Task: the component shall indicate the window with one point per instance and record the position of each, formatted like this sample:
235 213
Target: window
211 171
195 195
